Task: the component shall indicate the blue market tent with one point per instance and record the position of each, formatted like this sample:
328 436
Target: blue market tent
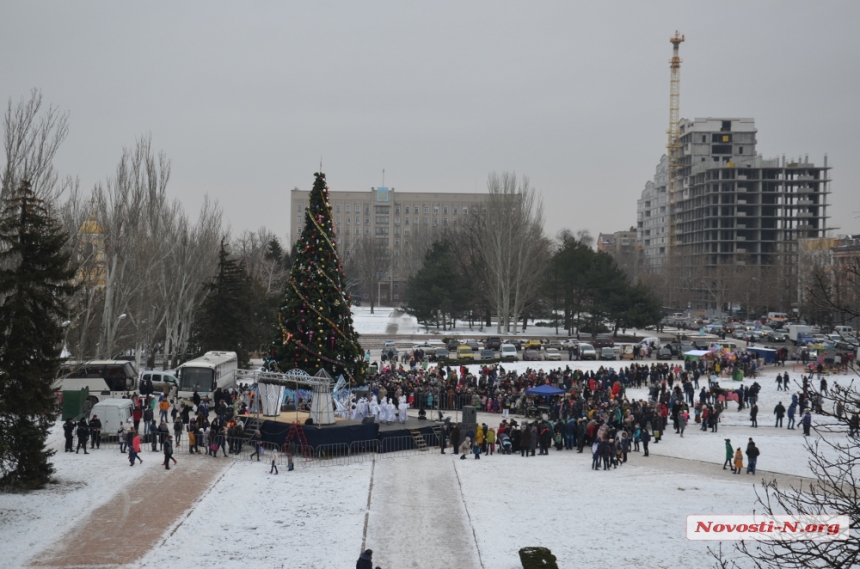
546 390
766 354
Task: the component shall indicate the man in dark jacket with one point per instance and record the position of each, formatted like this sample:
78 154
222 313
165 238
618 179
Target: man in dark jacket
645 437
365 560
69 432
167 447
754 415
752 457
83 434
455 438
95 432
779 411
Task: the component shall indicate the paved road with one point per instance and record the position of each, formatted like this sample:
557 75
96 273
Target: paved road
133 521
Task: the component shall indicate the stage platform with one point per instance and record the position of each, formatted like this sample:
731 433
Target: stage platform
345 432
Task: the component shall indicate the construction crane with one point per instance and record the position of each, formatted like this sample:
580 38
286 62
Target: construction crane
674 144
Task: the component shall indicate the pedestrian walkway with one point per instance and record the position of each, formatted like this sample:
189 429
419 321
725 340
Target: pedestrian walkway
417 517
126 527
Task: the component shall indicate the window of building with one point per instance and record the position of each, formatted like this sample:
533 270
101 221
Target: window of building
366 209
299 209
397 252
397 231
337 209
416 220
445 209
397 209
382 231
426 220
435 221
455 211
444 221
347 220
740 149
367 231
367 221
436 210
426 209
382 219
337 220
406 232
406 209
704 138
383 209
298 219
357 231
299 230
396 296
348 209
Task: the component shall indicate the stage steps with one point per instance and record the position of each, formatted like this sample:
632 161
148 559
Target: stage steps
420 443
252 424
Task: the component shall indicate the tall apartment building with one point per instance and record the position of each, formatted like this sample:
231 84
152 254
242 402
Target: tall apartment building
732 207
397 219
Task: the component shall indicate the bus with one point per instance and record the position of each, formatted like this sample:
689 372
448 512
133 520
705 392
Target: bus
105 379
207 373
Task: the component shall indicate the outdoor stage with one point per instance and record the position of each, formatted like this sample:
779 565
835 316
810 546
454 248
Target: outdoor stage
343 431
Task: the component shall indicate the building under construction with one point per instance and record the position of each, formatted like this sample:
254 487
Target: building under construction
715 205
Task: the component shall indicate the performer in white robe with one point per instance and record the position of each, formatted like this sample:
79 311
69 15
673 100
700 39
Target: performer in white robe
389 411
402 407
374 410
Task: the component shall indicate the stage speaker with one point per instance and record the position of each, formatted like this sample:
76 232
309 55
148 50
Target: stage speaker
470 415
368 421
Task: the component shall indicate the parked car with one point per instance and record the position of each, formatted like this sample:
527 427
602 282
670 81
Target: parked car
603 341
509 352
476 347
664 354
587 352
531 355
452 345
552 354
493 343
487 354
608 353
162 382
532 344
465 352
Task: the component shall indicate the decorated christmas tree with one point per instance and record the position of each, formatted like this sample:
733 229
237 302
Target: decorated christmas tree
314 319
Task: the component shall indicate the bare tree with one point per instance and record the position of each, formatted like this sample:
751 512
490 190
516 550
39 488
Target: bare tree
370 260
133 210
509 236
32 135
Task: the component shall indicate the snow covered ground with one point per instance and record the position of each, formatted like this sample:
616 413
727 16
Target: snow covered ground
428 510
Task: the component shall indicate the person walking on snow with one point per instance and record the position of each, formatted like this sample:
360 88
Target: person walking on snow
779 411
465 447
167 447
752 457
754 415
739 461
729 455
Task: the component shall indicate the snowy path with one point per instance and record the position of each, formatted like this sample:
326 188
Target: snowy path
417 515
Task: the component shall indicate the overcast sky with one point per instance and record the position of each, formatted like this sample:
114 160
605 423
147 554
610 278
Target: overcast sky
246 97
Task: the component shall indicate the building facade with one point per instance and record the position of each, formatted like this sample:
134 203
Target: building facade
403 221
731 207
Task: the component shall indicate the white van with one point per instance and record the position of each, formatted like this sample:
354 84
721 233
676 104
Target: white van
509 352
112 413
844 330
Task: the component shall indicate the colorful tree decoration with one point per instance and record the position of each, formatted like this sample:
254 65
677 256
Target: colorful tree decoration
315 321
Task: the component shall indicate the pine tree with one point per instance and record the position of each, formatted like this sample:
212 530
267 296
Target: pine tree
225 321
315 328
35 276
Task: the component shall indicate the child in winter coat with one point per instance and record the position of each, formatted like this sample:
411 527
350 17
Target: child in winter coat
465 447
636 436
739 460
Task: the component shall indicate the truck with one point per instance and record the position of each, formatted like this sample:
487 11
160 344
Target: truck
799 333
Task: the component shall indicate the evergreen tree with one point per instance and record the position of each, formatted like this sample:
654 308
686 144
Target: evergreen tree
35 273
315 328
439 291
225 321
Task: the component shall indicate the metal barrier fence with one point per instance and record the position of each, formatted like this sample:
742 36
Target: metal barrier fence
336 454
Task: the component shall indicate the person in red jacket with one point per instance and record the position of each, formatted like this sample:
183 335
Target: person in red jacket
136 416
134 450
